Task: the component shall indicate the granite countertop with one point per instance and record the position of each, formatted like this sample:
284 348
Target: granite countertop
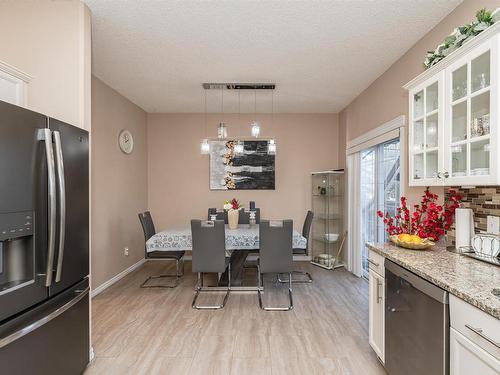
466 278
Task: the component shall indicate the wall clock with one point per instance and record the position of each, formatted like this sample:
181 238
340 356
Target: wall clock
126 141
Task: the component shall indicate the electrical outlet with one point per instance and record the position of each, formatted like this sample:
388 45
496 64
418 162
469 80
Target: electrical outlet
493 224
125 251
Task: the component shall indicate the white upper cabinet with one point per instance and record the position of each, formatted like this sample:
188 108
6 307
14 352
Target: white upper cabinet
454 124
426 131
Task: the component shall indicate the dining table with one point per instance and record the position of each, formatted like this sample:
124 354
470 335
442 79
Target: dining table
240 242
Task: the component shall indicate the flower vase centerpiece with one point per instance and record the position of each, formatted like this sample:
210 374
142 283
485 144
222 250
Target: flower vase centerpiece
233 207
424 226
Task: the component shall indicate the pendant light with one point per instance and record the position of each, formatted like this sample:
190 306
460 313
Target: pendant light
255 130
222 129
238 147
205 146
271 145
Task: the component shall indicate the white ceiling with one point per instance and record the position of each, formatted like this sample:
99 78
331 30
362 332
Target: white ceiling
321 54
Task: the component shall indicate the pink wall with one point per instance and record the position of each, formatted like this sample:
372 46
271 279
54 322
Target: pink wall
178 176
385 98
118 183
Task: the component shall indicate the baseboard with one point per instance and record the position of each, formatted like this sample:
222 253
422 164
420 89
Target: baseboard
301 258
101 288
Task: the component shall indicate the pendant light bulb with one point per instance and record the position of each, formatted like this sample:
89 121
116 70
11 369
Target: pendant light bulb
222 131
271 147
255 129
205 147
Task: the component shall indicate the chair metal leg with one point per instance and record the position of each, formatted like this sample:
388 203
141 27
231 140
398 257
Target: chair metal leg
308 279
290 295
199 289
165 276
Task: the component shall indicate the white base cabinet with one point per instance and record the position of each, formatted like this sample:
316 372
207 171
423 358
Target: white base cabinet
474 340
376 302
467 358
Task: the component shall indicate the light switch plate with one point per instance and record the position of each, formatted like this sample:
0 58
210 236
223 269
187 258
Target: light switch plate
493 224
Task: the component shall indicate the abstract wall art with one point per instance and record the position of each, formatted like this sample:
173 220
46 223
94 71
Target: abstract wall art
251 170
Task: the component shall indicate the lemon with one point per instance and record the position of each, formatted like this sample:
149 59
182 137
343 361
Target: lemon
415 239
405 237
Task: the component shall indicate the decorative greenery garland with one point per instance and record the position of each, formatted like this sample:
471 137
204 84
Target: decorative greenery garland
484 19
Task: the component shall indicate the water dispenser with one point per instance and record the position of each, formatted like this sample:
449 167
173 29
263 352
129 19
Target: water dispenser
17 251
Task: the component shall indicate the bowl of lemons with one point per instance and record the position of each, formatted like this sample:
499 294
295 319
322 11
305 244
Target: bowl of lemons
411 241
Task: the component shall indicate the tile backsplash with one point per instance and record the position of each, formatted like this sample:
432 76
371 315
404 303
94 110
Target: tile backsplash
483 200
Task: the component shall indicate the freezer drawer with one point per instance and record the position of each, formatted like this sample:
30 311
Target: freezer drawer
51 339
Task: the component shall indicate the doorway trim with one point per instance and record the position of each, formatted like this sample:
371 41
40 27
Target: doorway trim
385 132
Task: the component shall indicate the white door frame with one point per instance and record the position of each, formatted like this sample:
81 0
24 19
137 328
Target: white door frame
390 130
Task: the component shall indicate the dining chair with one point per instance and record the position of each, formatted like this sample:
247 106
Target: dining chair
209 255
149 230
219 215
276 255
244 216
306 233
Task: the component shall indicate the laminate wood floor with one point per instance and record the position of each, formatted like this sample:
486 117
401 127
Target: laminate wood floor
155 331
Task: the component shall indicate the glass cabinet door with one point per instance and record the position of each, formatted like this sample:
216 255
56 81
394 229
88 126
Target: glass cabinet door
469 136
327 228
426 133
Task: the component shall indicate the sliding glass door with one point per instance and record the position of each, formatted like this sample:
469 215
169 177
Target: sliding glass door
379 190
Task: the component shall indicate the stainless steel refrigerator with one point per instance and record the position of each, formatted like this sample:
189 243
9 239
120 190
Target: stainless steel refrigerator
44 244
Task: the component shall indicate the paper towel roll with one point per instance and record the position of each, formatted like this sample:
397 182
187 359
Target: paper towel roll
464 227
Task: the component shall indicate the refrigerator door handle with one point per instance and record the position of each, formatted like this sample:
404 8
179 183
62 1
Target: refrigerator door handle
46 136
62 202
46 319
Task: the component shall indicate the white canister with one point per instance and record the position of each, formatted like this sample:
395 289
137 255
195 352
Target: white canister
464 227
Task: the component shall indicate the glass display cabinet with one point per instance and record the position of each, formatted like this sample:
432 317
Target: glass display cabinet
327 232
453 117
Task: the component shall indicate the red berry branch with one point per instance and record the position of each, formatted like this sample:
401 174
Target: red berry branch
428 220
235 204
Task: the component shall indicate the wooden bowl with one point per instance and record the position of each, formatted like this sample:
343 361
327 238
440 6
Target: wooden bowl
425 244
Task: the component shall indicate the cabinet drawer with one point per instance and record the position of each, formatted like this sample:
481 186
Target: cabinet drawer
376 262
468 358
479 327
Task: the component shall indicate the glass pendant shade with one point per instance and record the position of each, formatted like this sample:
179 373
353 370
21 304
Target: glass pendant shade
222 131
204 147
255 129
271 147
238 148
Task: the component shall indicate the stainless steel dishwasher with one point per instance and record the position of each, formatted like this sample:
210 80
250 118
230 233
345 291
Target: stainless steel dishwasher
416 324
